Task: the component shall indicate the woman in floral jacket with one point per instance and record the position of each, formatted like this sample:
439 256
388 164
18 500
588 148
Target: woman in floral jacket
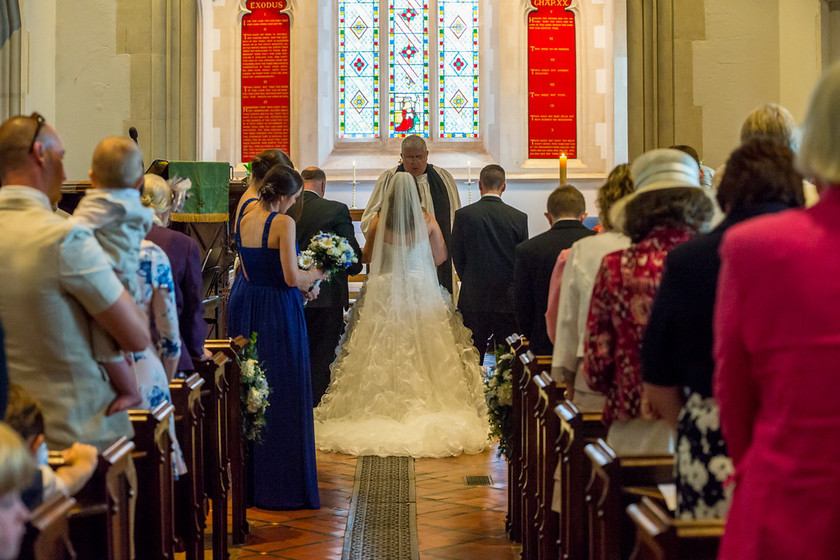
666 209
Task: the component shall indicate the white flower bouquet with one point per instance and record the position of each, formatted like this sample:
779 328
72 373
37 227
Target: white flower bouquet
498 392
253 392
331 253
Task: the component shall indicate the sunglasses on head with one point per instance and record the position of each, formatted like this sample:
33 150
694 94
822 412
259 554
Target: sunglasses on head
40 120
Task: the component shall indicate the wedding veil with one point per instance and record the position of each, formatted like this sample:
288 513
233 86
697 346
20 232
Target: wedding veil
406 379
401 246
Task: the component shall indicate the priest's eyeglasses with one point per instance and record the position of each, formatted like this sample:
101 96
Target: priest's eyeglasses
40 120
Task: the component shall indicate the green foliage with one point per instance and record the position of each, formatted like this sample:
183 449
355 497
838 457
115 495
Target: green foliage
253 391
498 392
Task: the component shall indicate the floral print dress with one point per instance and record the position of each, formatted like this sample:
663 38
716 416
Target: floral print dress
157 299
618 315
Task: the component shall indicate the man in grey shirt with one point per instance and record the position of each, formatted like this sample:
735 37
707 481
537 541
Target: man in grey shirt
55 282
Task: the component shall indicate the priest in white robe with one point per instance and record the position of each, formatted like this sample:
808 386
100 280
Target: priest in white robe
438 196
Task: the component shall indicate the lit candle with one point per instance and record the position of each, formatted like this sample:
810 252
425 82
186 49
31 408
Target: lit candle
563 160
354 172
469 173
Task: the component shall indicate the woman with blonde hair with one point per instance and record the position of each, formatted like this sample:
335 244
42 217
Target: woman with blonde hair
165 197
17 471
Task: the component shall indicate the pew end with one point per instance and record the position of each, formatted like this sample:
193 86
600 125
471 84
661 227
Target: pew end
217 403
236 445
190 499
616 482
155 518
661 537
100 522
48 531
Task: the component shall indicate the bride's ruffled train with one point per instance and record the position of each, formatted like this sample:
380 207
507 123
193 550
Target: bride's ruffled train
406 380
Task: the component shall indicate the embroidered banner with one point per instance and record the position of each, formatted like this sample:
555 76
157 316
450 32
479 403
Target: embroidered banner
266 99
552 93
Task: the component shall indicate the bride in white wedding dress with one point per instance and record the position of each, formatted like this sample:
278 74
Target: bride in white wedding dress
406 380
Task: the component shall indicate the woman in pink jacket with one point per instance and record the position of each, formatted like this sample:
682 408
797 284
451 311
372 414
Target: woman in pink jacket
777 353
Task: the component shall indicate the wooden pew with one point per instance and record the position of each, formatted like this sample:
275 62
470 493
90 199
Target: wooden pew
48 531
576 429
214 396
154 522
548 393
100 523
518 346
232 349
190 502
615 483
661 537
531 446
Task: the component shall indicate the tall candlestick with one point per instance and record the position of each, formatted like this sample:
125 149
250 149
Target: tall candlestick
353 201
469 183
563 161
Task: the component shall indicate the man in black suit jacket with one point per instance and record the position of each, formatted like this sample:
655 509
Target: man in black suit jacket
325 315
535 260
484 237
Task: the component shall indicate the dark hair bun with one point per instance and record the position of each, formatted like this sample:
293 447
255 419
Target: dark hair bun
280 180
267 159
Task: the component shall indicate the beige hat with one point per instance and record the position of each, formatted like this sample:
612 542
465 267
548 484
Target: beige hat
653 171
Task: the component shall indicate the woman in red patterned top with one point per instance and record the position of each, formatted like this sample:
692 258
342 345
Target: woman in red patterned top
667 208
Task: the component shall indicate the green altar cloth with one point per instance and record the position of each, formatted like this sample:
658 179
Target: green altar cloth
207 200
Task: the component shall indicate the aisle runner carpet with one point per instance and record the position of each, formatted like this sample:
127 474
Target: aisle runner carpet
383 511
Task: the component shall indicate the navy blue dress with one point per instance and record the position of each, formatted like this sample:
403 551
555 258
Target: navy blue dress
284 474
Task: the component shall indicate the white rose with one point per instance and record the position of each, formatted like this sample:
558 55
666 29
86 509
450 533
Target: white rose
247 370
254 400
505 395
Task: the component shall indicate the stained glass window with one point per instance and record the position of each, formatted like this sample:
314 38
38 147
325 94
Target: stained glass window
458 57
358 74
452 108
408 94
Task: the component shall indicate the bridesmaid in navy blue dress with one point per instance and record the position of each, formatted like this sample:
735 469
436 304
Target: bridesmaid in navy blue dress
268 301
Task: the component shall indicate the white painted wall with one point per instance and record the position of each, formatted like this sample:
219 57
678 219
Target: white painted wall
38 19
754 53
93 86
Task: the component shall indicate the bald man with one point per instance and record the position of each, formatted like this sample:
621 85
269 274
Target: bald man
438 195
57 283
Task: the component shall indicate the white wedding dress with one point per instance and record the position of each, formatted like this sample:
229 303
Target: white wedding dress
406 380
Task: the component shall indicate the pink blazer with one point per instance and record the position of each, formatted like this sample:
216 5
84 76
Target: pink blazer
777 380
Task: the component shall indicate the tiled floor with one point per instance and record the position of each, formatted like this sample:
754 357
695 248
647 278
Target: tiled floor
454 521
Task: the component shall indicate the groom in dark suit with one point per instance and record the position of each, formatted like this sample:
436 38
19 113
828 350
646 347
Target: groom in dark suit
325 315
484 237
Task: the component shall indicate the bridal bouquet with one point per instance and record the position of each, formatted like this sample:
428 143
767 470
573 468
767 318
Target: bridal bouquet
253 392
331 253
498 392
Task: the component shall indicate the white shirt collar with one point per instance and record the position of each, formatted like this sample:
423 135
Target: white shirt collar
22 191
485 195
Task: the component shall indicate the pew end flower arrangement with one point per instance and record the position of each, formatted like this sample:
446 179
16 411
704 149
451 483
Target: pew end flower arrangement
498 392
253 392
329 252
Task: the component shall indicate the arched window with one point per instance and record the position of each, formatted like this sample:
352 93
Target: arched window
408 67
